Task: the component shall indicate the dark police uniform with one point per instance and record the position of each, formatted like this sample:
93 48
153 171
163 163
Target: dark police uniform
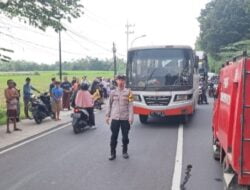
120 111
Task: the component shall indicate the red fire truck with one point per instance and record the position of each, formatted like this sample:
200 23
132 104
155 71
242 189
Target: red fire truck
231 123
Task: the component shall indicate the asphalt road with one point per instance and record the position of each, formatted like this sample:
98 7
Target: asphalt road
63 160
197 151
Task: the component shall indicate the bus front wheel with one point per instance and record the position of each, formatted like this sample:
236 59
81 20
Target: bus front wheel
143 118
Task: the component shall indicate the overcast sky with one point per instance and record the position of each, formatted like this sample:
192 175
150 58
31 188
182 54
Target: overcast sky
162 21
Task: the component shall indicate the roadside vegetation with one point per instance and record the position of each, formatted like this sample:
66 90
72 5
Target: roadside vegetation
84 64
224 30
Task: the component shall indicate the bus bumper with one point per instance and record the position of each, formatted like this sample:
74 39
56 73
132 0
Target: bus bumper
182 110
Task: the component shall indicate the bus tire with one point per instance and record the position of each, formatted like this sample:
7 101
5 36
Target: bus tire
143 119
185 119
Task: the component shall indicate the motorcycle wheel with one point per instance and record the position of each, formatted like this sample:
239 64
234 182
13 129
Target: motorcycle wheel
38 120
76 130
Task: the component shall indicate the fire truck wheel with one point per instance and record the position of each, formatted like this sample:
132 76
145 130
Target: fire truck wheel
226 166
143 119
216 150
235 186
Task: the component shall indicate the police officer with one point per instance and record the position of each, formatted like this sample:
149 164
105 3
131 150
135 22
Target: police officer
120 113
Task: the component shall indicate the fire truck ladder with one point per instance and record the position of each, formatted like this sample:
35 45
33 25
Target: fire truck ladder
244 140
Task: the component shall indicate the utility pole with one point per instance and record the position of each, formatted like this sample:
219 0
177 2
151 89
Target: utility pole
60 45
114 55
60 55
128 32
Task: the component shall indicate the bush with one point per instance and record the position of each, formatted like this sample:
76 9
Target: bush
63 73
36 73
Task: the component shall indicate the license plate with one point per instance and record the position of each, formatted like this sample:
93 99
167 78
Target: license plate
158 113
76 115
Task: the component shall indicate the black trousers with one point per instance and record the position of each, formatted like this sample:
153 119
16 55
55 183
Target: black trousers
91 116
204 96
105 93
115 128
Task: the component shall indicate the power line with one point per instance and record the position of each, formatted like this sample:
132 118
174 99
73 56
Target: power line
98 22
77 42
24 28
27 28
99 18
89 40
39 45
31 46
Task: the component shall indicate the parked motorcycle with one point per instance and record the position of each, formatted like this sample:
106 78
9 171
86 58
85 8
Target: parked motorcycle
80 119
40 107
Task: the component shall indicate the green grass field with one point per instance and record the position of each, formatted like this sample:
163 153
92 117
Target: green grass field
40 82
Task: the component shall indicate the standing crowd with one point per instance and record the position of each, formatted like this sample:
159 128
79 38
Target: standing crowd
80 94
63 95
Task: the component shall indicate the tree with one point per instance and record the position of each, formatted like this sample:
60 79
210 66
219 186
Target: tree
223 22
75 65
43 13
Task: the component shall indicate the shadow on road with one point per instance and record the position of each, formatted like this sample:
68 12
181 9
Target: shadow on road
162 122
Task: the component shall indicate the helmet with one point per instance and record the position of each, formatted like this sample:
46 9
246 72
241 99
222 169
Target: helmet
84 86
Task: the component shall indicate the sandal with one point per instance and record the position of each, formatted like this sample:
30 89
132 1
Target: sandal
17 129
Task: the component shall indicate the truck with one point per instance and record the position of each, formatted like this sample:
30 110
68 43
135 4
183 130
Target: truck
231 123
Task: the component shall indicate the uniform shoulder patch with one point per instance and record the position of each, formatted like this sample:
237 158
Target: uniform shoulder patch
112 91
130 96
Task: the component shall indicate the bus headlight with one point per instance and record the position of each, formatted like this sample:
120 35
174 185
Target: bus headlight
136 98
183 97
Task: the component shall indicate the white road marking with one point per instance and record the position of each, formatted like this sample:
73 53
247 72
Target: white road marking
176 182
40 136
45 134
33 139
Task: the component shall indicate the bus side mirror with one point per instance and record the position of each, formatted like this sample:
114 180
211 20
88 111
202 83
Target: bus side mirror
196 63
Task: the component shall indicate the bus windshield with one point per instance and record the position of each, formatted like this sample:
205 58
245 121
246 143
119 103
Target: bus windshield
160 68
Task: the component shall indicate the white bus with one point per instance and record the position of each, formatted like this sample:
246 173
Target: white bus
164 81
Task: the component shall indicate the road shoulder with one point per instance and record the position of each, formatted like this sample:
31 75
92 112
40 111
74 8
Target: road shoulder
30 130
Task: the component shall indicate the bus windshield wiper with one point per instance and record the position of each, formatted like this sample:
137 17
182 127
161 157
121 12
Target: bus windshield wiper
150 76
